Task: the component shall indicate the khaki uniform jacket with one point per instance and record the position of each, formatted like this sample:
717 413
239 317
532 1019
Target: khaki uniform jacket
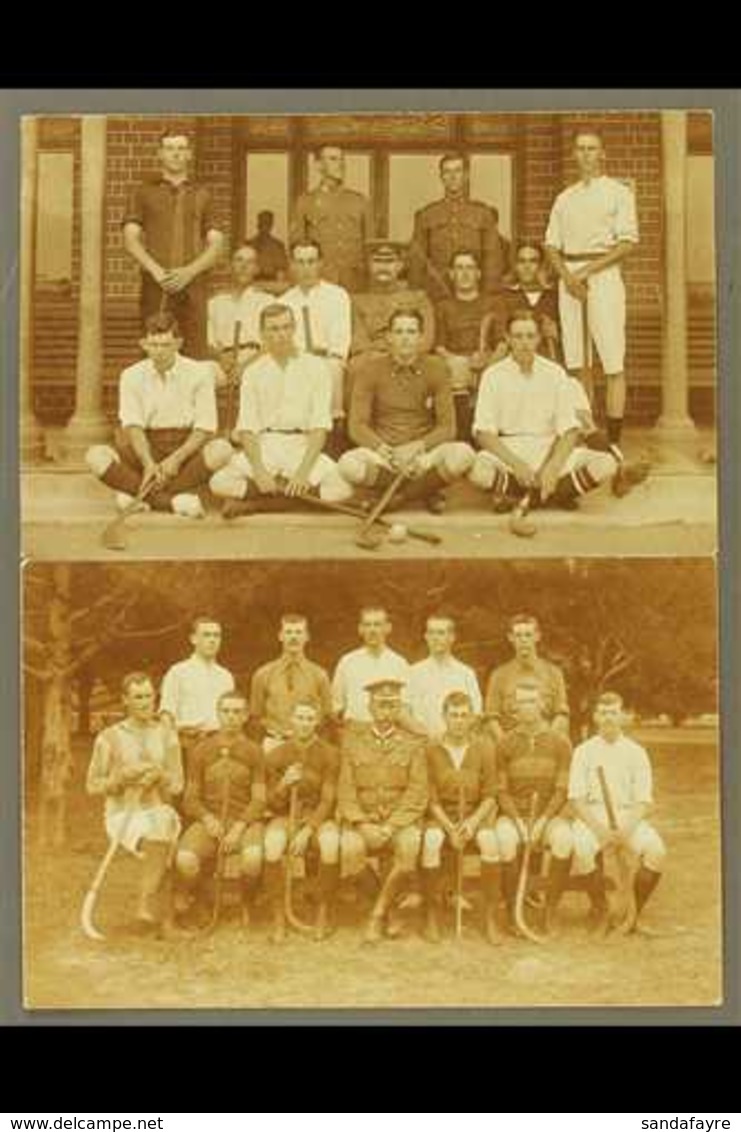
382 778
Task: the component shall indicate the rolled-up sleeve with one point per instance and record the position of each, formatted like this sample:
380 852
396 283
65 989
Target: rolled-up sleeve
339 334
250 417
486 416
173 763
204 408
642 779
554 231
100 767
170 693
626 216
578 777
320 405
131 410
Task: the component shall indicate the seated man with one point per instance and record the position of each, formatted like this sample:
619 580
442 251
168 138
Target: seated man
136 767
241 305
627 772
528 430
225 802
284 418
470 333
402 419
529 291
382 797
164 451
302 793
388 292
533 767
463 789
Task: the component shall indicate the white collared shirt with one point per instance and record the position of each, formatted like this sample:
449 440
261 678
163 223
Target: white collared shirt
225 310
330 317
514 403
191 689
358 668
627 771
430 681
184 397
593 217
297 396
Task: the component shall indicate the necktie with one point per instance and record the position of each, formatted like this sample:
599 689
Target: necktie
306 316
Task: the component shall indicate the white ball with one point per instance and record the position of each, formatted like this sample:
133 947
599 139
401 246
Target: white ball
397 532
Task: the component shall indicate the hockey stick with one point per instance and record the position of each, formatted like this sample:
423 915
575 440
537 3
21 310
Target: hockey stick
113 535
347 509
520 921
366 538
295 922
625 913
91 896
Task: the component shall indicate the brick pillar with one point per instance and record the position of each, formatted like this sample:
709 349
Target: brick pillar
88 423
31 433
675 419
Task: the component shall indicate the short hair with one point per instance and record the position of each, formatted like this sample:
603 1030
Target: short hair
465 251
373 609
161 323
234 694
308 702
407 312
441 617
319 149
245 247
447 158
306 243
610 699
588 132
294 619
203 619
522 315
275 310
132 678
457 699
264 213
174 132
533 246
523 619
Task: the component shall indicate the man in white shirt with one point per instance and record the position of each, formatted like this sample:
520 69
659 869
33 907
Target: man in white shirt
433 679
627 771
528 430
284 418
323 314
165 445
373 661
243 303
592 227
191 688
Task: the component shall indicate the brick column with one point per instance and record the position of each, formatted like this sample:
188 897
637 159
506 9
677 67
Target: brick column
31 433
88 423
675 420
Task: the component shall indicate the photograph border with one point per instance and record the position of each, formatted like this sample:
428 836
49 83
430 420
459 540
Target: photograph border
726 106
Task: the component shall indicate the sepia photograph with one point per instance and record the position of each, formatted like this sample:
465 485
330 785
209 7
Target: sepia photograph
439 334
281 784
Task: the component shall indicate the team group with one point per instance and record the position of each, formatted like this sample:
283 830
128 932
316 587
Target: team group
350 376
388 775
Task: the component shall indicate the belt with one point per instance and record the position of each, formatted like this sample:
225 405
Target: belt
584 255
287 431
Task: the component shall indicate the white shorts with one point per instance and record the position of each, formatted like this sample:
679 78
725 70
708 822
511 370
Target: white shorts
153 823
533 451
282 454
454 455
644 841
606 312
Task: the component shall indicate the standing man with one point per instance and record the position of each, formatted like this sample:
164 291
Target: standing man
169 230
593 226
462 775
243 304
525 667
335 217
533 764
627 770
225 802
432 680
136 767
280 684
402 418
307 767
471 329
449 225
382 797
191 688
323 317
165 444
284 419
373 661
529 430
271 252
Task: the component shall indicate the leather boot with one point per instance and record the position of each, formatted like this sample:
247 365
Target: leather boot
329 876
491 888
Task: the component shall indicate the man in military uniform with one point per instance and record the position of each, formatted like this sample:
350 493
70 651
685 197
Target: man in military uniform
168 229
449 225
305 766
402 417
532 782
337 218
387 292
225 802
280 684
382 796
471 329
526 665
136 767
463 789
